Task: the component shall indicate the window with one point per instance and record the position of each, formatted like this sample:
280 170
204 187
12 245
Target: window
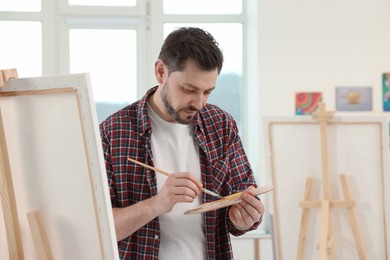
103 3
202 7
112 64
118 41
20 5
21 47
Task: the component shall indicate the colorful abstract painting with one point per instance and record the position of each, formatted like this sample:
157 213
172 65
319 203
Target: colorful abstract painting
307 102
386 91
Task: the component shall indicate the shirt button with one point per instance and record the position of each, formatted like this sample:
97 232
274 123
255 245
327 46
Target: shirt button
155 236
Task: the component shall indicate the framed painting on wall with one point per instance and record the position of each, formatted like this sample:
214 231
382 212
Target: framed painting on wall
386 91
307 102
353 98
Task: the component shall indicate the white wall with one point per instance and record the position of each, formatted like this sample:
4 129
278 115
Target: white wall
316 45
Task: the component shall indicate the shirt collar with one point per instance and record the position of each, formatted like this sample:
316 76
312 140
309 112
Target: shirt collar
143 118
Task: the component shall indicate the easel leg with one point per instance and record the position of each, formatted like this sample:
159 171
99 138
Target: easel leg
7 196
257 248
40 239
352 217
330 239
329 248
324 231
304 221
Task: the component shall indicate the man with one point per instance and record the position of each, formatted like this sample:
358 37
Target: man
174 129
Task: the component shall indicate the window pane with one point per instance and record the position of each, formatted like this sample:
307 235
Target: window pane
21 47
110 56
104 2
202 6
20 5
228 94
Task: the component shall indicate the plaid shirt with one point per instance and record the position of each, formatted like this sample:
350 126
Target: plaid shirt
224 166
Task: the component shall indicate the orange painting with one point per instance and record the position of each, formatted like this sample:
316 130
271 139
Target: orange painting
307 102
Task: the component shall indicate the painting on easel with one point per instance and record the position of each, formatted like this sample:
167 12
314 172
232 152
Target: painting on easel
53 189
358 166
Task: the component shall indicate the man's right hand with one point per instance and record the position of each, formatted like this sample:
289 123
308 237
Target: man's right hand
178 187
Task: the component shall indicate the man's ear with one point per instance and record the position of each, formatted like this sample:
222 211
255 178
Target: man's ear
160 71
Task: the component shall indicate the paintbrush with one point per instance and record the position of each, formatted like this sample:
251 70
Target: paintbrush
168 174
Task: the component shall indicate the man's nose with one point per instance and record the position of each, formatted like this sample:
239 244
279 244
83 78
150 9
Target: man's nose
198 101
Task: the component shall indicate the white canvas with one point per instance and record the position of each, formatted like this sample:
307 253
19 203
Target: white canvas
57 166
358 148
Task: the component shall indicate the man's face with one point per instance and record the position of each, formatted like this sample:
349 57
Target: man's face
186 92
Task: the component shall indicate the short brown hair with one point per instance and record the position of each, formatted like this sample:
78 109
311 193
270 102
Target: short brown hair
191 43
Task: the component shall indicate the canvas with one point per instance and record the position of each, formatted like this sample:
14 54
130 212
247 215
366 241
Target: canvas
357 149
56 163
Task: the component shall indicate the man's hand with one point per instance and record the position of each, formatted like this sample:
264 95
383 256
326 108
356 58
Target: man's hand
178 187
245 214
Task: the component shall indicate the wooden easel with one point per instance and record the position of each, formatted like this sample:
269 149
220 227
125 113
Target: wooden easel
8 200
327 202
6 75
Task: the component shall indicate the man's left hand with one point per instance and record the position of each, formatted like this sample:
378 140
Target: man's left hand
245 214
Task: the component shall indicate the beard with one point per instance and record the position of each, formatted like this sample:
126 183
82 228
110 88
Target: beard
175 114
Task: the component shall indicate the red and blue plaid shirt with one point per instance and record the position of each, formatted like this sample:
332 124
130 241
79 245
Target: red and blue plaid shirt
224 166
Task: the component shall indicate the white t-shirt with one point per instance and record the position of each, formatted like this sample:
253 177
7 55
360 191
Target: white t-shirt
175 150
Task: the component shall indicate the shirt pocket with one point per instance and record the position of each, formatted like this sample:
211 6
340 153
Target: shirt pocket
220 175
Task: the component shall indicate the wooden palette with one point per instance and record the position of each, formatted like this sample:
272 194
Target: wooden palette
226 201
